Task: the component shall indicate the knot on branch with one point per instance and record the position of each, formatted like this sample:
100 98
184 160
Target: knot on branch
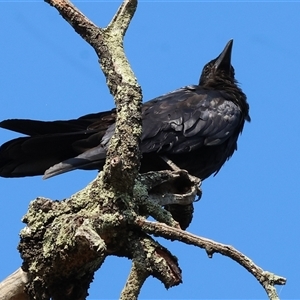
176 191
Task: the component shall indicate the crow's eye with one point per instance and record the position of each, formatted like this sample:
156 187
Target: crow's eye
232 71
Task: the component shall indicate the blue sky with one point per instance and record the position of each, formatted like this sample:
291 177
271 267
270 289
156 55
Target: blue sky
48 72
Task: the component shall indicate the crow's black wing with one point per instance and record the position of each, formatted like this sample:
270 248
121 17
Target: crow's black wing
92 158
187 119
178 122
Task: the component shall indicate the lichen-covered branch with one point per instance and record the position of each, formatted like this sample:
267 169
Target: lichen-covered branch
265 278
134 282
65 242
108 44
149 258
148 255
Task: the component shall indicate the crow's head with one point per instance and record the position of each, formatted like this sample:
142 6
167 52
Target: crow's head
219 68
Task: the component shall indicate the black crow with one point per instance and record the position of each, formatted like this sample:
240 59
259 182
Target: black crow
196 127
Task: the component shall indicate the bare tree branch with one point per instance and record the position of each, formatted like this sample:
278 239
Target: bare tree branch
265 278
12 287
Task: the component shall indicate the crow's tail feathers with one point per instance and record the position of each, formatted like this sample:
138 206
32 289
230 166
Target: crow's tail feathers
89 160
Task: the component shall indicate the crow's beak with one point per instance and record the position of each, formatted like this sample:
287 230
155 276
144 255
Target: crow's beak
223 61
